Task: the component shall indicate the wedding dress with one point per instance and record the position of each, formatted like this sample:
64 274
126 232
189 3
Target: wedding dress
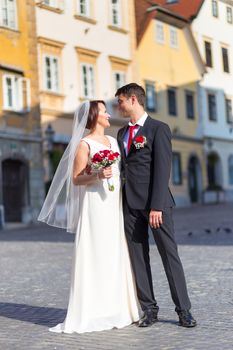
102 292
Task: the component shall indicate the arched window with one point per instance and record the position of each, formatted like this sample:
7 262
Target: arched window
230 169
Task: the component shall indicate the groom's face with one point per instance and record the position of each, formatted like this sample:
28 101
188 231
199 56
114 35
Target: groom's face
125 105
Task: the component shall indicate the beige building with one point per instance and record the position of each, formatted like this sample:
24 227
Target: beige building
85 51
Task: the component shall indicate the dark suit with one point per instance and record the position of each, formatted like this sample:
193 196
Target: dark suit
145 175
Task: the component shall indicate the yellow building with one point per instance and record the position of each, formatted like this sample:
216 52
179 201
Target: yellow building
170 68
21 171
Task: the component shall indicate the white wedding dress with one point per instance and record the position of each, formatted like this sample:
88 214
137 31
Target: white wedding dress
102 293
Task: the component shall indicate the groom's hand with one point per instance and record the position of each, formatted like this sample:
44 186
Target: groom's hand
155 218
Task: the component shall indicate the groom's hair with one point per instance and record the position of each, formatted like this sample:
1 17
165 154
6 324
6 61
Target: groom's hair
93 113
133 89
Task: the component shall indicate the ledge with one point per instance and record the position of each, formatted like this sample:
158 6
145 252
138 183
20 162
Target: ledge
50 8
87 52
85 19
118 29
8 29
13 112
50 42
119 60
51 93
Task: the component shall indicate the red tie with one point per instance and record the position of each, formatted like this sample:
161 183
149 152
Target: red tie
131 129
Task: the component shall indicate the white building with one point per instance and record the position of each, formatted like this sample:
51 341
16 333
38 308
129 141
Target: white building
85 52
213 29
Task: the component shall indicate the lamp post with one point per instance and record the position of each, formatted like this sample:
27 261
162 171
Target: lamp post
49 136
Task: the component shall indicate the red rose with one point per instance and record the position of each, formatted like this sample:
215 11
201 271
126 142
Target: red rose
111 157
116 154
106 152
97 158
139 139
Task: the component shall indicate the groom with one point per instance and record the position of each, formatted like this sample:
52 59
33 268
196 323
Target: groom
145 146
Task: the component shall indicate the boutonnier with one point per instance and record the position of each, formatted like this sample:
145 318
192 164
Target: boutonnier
140 142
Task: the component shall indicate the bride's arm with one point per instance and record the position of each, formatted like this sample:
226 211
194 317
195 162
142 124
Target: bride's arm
80 164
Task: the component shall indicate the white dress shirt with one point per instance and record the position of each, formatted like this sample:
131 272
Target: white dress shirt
139 124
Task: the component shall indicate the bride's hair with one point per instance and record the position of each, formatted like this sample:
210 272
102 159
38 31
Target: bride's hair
93 113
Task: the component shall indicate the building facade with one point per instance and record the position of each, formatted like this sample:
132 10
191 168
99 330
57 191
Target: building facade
170 70
86 53
213 30
21 169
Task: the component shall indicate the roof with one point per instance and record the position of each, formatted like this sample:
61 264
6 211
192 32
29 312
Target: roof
185 10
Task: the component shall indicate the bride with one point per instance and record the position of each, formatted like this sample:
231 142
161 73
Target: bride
102 291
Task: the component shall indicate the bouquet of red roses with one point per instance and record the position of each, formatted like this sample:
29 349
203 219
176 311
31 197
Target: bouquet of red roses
103 159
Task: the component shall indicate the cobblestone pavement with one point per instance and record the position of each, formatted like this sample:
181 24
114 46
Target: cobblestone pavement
35 270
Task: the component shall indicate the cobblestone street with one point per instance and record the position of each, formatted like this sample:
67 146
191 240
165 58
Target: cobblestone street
35 271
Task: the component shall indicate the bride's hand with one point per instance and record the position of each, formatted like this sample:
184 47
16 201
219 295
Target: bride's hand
105 173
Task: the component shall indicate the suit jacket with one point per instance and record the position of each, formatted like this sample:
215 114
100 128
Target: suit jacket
145 172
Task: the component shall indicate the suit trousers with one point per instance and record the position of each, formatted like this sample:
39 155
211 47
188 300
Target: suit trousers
136 229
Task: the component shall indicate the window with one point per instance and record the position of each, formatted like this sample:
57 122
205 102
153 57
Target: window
225 60
229 116
189 97
150 97
176 169
159 32
229 15
230 169
208 54
88 81
119 79
173 38
52 3
115 13
51 73
8 14
171 95
16 93
212 107
84 8
214 8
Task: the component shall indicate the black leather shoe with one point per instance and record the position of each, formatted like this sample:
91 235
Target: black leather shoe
150 317
186 319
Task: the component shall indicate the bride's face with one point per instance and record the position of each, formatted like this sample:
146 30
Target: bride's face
103 116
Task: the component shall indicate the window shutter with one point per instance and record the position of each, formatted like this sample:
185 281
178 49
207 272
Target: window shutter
25 94
5 92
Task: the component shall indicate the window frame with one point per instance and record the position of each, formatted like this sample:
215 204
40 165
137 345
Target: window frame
187 94
87 7
170 112
215 12
177 156
17 88
159 25
229 111
154 108
208 54
225 63
173 44
52 78
229 14
90 89
211 117
117 8
15 26
122 80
